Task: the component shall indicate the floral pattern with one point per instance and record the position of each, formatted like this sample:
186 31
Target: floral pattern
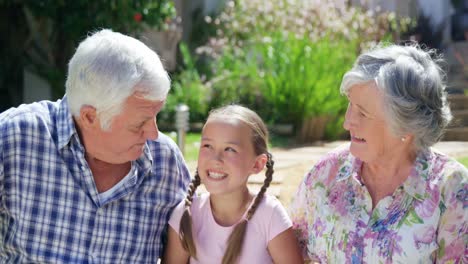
423 221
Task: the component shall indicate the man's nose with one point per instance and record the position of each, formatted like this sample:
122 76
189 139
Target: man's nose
151 129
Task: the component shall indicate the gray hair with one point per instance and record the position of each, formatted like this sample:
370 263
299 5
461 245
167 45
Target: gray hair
107 68
411 80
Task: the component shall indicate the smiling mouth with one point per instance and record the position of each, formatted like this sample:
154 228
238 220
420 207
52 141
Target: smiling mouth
216 175
357 139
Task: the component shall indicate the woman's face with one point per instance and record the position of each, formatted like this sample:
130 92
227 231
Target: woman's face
371 139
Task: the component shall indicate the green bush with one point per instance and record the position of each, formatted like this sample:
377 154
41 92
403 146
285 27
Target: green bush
285 59
286 79
187 89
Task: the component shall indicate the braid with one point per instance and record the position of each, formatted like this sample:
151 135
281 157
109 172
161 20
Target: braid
185 228
266 184
236 238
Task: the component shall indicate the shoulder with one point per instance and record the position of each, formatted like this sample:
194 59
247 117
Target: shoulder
336 163
443 168
29 118
270 201
443 176
270 206
199 203
336 156
44 109
271 218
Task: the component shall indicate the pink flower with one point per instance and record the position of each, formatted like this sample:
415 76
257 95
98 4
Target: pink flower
454 252
426 208
424 236
337 198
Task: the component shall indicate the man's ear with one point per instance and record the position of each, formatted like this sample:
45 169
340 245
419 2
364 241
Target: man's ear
259 164
88 116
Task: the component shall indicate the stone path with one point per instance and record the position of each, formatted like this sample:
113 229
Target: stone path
292 164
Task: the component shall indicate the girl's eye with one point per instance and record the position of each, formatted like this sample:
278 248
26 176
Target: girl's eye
206 146
361 114
230 149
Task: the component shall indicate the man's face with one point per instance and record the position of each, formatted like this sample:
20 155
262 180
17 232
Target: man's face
128 133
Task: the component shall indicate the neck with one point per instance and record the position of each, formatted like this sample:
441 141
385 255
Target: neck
105 174
228 209
383 178
391 165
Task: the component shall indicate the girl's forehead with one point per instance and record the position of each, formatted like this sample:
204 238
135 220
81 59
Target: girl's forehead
224 120
225 127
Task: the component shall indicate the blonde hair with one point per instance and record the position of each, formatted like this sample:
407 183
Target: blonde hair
260 143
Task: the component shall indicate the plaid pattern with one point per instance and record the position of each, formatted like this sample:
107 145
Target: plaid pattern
50 211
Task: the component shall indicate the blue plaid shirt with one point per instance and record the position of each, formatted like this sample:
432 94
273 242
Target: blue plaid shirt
49 206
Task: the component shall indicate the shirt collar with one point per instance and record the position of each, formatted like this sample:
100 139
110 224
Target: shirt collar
65 124
414 185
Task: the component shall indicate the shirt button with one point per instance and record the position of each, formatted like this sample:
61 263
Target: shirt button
83 167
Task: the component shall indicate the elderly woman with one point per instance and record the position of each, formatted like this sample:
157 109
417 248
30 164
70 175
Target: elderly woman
387 197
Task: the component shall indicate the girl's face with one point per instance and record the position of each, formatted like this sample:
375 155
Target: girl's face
227 158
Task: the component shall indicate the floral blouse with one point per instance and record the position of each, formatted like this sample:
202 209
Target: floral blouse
423 221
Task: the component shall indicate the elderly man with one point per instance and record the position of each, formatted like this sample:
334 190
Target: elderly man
89 178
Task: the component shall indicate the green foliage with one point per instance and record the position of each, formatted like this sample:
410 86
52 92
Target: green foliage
187 89
53 28
285 78
285 59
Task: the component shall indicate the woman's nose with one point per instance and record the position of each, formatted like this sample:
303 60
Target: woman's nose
348 122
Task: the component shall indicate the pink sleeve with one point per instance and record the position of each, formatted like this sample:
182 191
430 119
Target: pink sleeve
174 221
279 219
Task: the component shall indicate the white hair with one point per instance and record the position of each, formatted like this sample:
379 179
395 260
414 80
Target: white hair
413 88
107 68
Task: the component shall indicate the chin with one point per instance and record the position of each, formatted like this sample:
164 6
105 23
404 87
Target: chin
358 154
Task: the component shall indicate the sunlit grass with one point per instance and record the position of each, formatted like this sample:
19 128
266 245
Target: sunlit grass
464 161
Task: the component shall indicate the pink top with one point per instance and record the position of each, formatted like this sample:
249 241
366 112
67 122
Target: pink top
269 220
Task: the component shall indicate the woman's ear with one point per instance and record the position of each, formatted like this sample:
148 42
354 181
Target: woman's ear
259 164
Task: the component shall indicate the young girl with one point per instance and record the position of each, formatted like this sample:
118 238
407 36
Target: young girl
229 224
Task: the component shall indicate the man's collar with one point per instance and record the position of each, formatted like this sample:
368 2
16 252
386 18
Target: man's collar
65 124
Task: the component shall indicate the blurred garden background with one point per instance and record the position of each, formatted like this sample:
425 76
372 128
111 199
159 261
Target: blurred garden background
282 58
